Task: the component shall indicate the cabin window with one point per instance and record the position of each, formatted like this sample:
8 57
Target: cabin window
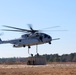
19 40
27 35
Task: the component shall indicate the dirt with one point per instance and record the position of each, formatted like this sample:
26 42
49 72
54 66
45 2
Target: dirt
49 69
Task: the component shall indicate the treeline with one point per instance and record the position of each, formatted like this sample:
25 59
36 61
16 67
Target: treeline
12 60
49 57
63 58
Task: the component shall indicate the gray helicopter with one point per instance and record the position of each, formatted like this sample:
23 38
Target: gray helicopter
30 38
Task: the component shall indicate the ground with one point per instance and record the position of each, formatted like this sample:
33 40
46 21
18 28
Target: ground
49 69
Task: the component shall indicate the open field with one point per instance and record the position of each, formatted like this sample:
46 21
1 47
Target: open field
49 69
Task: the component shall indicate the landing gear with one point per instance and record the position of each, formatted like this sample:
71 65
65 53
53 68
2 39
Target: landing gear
49 42
29 47
23 45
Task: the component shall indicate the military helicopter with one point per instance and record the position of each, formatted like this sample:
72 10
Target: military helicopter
29 38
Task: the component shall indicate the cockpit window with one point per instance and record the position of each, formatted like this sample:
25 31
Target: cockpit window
49 37
45 35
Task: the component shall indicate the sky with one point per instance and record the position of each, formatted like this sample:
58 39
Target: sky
41 14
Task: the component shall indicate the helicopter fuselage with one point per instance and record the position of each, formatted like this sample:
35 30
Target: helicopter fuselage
29 40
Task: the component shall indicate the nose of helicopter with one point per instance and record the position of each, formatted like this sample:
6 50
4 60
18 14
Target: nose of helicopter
50 38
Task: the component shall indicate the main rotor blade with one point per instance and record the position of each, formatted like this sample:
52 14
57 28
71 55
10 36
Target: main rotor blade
30 26
16 28
20 29
55 30
52 27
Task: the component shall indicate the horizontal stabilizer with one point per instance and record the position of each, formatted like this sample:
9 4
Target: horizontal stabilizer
56 39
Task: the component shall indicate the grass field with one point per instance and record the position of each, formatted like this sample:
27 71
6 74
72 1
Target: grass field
49 69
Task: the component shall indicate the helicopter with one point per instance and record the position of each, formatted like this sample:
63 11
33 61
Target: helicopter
29 38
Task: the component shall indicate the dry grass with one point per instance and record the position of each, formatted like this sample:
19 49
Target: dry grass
49 69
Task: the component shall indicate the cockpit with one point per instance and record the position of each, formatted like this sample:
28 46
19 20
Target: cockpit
47 36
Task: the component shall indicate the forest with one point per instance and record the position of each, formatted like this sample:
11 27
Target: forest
63 58
49 58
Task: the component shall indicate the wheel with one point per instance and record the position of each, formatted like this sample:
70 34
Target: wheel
23 45
29 47
49 42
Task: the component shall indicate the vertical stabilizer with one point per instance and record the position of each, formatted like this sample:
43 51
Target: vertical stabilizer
0 41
